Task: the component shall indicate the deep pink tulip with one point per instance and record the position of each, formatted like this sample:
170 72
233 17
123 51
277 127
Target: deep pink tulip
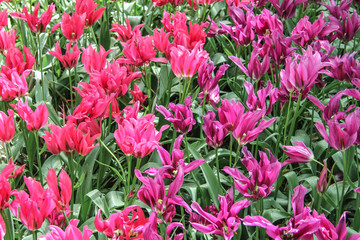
127 224
206 81
161 42
3 18
140 52
223 222
138 137
34 208
248 126
300 74
340 11
267 24
255 69
255 103
347 27
172 163
35 23
299 153
322 183
215 132
229 114
150 230
7 126
307 32
185 63
68 139
7 39
302 226
71 232
13 86
287 8
14 60
126 33
153 194
88 7
263 174
182 118
71 56
243 35
138 95
34 119
94 61
73 27
344 68
342 135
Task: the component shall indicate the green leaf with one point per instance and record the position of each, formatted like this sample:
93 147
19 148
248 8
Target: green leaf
213 186
99 200
105 35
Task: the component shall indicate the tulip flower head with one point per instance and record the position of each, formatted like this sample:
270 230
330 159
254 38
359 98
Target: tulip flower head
262 174
34 119
223 221
35 23
73 27
182 118
70 59
298 153
7 126
214 130
127 224
88 7
71 232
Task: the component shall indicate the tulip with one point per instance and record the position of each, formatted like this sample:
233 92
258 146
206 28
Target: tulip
138 95
171 163
346 29
301 226
259 102
150 229
126 33
287 8
68 139
138 137
255 69
127 224
185 63
14 60
140 52
3 18
322 184
341 135
7 126
94 61
223 222
34 23
88 7
71 232
13 86
182 119
7 39
298 154
34 119
265 23
70 59
73 27
262 174
229 114
214 130
153 194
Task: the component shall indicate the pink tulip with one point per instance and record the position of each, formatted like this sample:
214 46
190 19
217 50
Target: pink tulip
94 61
34 119
7 126
215 132
126 33
71 232
88 7
70 59
298 153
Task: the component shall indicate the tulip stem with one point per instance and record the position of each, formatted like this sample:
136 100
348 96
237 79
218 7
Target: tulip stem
231 145
217 165
40 65
129 160
34 233
138 163
38 157
294 118
287 119
237 155
72 177
71 91
202 113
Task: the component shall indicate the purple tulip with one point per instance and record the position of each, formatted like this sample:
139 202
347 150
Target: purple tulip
223 222
287 8
262 174
298 154
182 119
214 130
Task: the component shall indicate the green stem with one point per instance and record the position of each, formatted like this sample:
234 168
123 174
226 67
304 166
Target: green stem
138 163
38 157
71 91
34 234
287 118
294 118
217 166
40 65
202 113
129 160
231 145
72 177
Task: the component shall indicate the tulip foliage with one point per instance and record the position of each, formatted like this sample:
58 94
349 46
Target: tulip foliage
173 119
